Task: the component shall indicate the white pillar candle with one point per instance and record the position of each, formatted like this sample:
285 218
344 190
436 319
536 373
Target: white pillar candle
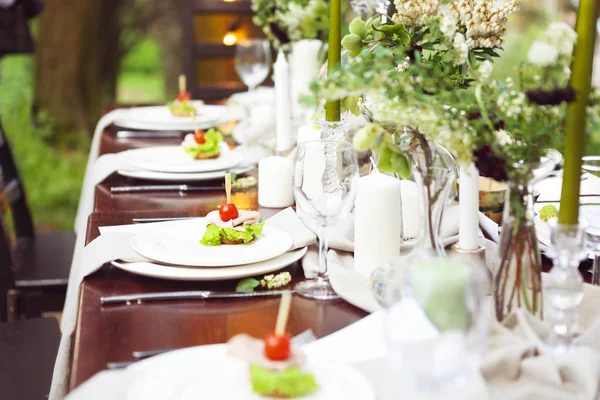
468 226
275 182
411 212
304 67
283 118
377 222
308 132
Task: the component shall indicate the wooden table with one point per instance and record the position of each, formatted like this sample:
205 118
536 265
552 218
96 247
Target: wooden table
112 333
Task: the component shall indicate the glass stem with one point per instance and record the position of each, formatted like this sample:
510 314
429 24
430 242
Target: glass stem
322 273
596 269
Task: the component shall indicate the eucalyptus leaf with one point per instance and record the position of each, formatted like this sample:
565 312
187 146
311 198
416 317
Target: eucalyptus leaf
247 285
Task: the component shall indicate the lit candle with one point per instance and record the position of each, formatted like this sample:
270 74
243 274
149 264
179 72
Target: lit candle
377 222
468 226
282 103
275 182
334 54
581 80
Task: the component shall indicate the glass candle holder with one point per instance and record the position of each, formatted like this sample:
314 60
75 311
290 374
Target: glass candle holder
564 286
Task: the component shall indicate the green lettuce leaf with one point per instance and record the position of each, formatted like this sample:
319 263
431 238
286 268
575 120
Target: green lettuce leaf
214 233
210 148
183 106
291 382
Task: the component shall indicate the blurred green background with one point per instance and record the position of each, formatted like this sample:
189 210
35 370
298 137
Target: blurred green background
53 172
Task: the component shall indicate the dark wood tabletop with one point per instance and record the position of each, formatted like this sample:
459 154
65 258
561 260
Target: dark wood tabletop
111 333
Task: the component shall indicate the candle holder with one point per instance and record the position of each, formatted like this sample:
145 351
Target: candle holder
333 130
564 286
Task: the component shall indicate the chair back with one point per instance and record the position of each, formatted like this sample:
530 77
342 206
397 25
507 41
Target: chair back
12 191
7 280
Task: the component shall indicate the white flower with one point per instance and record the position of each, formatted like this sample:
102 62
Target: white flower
462 49
404 66
503 137
448 25
542 54
561 35
485 70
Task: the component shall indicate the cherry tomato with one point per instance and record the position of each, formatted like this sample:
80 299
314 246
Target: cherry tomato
277 348
184 96
199 137
228 212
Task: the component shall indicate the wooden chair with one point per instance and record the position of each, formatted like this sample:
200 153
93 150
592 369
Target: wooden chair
40 263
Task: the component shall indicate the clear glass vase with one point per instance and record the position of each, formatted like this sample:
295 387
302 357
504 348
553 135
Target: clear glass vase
434 173
518 279
518 272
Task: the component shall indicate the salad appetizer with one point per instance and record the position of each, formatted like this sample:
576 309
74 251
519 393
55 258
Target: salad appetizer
228 225
276 366
203 145
182 107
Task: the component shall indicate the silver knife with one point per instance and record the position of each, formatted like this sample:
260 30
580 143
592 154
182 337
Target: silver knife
164 188
186 295
148 134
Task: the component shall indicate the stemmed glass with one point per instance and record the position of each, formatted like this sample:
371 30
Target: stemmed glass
253 61
591 164
325 185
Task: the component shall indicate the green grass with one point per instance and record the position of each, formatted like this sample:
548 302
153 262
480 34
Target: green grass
141 79
52 177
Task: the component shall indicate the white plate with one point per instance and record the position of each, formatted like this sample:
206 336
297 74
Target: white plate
174 160
212 274
179 177
182 246
160 118
208 372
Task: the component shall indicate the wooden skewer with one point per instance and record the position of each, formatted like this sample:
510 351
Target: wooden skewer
228 187
182 83
283 314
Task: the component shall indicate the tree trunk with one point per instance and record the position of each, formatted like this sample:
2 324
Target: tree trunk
77 61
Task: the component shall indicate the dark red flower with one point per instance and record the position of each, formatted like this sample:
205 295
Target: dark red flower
489 164
279 33
551 97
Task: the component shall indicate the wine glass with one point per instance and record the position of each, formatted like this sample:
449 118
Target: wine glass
325 185
253 61
591 164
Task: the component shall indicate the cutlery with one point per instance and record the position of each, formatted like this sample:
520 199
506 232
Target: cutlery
299 340
143 220
148 134
185 295
164 188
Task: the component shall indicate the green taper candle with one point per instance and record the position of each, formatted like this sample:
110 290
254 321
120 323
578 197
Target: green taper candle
581 81
332 108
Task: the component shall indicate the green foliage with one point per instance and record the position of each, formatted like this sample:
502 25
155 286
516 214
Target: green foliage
144 57
247 285
52 177
141 79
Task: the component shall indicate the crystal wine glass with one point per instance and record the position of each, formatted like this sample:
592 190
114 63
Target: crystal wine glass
591 164
253 61
325 185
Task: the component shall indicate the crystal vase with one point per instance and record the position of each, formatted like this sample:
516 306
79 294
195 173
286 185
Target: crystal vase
517 274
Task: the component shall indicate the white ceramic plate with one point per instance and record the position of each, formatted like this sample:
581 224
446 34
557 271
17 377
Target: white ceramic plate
160 118
179 177
211 274
181 246
173 159
208 372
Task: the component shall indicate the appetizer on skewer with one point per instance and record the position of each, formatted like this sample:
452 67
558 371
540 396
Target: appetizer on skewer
182 106
276 366
228 225
203 145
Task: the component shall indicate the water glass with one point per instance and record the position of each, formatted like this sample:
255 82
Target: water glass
253 61
325 183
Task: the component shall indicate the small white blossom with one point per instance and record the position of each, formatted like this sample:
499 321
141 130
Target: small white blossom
503 137
272 281
461 48
448 25
404 66
542 54
415 12
485 70
562 36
